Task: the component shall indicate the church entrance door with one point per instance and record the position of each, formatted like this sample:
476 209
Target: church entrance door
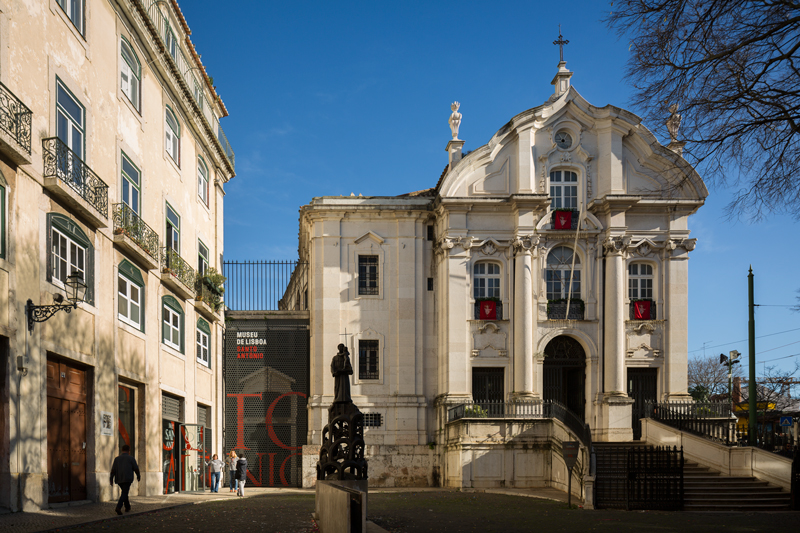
565 374
642 386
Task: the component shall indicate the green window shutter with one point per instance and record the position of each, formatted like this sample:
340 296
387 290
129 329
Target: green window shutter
203 326
172 303
135 275
69 228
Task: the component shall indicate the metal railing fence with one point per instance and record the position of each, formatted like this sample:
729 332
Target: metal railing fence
128 222
711 420
260 285
15 118
172 262
64 164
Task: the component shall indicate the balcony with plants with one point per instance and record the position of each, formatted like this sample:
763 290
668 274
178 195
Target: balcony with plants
177 274
132 234
74 183
15 127
209 288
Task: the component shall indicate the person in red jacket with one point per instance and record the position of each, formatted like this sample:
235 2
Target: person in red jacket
122 470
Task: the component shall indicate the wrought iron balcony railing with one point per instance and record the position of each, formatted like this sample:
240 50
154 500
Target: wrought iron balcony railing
173 263
15 118
127 222
644 312
62 163
207 294
557 310
164 29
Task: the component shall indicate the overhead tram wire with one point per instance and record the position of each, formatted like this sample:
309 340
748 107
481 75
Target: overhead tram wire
744 340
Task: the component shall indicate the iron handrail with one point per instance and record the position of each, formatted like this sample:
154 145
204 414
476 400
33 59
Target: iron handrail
185 67
711 420
173 263
226 146
128 222
62 163
15 118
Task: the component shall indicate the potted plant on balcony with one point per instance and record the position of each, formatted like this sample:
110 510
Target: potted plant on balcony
476 411
210 286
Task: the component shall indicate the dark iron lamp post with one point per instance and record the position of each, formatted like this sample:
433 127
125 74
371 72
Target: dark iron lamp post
76 292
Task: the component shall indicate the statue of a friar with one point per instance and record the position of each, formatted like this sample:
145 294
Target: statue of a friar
341 370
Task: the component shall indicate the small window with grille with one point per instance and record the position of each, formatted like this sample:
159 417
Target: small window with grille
372 420
368 359
368 275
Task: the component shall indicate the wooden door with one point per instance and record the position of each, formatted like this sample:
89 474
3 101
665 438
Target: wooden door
66 431
642 387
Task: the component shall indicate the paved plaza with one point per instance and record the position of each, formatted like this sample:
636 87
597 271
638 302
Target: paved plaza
397 511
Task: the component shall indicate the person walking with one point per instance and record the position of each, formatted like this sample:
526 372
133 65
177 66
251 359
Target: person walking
241 474
122 470
232 460
216 467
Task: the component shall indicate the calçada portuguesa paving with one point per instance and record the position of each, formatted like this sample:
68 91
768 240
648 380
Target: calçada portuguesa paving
395 510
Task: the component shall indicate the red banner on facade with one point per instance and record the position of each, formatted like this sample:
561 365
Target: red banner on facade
641 310
488 310
563 220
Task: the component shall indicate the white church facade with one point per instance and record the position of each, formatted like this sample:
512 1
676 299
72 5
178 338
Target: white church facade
548 265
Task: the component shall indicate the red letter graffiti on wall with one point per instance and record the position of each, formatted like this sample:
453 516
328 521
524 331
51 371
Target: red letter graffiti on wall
240 418
271 431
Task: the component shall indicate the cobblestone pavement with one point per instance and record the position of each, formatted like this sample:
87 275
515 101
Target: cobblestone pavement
398 511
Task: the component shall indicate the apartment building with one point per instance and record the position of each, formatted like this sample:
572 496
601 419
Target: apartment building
112 174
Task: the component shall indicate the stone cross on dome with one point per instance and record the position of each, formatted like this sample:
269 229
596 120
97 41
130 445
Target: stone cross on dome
561 80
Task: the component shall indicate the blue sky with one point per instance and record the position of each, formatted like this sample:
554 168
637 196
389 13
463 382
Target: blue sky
329 98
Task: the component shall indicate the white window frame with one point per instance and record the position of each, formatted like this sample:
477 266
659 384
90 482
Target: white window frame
202 180
559 272
640 284
130 75
172 138
74 9
563 189
488 282
173 315
73 254
203 344
74 126
128 300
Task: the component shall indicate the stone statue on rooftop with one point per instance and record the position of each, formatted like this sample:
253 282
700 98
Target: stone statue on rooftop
673 123
455 119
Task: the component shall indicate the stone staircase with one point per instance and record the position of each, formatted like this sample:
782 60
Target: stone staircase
707 490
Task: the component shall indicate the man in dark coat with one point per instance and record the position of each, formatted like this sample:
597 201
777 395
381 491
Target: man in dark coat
122 470
241 474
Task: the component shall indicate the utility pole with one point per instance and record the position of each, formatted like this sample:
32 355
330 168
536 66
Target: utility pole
729 362
752 424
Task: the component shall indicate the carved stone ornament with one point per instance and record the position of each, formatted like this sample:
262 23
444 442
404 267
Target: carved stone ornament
645 348
644 327
543 178
446 243
525 242
466 242
566 157
455 119
686 244
616 245
489 248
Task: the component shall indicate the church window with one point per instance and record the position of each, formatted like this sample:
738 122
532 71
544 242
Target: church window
486 280
559 273
640 281
368 359
563 190
368 275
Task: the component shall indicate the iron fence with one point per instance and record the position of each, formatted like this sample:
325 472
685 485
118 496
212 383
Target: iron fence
207 293
128 222
163 28
265 285
711 420
523 410
226 146
173 263
639 478
557 310
15 118
64 164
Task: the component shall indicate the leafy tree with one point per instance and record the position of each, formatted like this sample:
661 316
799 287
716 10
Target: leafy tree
707 377
732 68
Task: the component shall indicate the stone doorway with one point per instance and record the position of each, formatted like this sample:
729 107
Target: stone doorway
565 374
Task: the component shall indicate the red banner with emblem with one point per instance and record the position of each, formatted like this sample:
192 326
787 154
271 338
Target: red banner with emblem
641 310
563 220
488 310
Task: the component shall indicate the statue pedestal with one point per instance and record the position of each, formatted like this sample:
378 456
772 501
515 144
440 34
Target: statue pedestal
341 455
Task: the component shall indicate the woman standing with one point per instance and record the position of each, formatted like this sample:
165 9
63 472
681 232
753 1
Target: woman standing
232 460
241 473
216 467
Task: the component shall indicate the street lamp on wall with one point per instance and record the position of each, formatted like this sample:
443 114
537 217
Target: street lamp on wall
76 293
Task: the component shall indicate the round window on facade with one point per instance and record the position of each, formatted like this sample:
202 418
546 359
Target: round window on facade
563 140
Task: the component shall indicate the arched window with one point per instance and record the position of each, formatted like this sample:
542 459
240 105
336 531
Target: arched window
202 180
486 280
173 136
559 267
71 251
130 74
172 323
563 190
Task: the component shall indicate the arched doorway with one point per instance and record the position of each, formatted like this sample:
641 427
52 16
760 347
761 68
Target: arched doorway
565 373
